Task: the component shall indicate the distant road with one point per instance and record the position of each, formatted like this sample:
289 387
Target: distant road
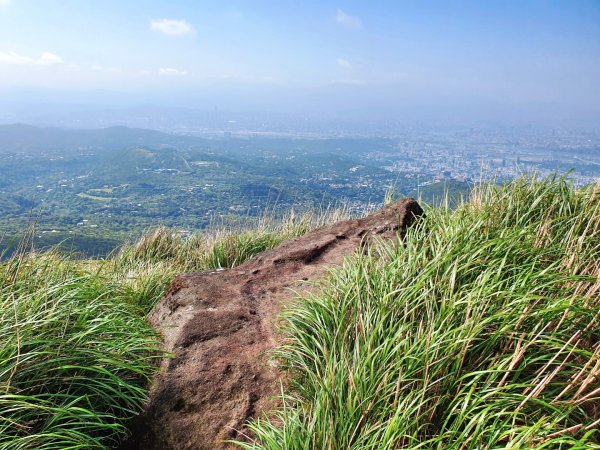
586 161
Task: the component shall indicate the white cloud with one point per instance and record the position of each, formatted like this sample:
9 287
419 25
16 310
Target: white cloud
14 58
171 71
344 63
45 59
49 59
347 20
172 27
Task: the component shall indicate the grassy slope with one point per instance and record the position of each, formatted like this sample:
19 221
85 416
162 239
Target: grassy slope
75 350
481 331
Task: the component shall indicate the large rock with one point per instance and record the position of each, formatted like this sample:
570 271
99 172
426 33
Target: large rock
220 326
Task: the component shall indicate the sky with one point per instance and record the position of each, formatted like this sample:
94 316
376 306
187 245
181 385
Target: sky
371 58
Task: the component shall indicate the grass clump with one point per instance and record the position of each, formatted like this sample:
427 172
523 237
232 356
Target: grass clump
74 360
480 331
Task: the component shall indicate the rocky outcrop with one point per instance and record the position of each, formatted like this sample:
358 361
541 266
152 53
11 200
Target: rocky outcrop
220 325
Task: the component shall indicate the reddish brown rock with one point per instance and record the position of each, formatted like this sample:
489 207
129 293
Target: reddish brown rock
220 326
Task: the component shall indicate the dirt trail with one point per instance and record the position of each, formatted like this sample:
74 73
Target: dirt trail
220 325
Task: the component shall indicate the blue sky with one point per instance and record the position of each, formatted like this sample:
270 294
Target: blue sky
350 55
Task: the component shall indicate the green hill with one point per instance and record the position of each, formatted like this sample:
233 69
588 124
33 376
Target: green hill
30 139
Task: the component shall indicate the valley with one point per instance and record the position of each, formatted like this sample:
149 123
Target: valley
91 190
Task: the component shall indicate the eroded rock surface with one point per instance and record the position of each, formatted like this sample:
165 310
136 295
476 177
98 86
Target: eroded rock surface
220 326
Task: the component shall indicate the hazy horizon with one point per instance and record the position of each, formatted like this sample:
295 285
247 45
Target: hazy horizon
507 62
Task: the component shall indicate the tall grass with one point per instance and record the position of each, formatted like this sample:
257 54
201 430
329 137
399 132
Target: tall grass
74 360
480 331
76 353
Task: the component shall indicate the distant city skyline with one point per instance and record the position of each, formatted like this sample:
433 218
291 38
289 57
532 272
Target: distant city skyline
535 60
